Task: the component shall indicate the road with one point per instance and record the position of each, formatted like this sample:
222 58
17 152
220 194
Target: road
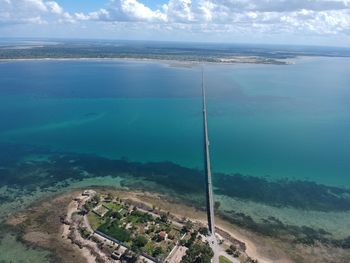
209 188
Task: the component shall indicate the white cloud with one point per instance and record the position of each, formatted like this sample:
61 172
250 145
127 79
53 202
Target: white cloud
124 10
179 11
32 11
54 7
301 17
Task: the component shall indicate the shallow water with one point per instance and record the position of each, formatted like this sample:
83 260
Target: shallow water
13 251
265 120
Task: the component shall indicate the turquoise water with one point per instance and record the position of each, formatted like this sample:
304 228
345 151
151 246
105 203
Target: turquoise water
264 120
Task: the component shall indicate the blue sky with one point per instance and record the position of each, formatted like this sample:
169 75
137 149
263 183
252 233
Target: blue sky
315 22
93 5
81 5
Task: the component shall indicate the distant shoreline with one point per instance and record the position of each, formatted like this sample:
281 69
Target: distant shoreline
170 62
194 53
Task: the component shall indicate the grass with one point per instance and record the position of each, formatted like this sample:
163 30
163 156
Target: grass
115 231
94 220
149 248
223 259
113 206
115 227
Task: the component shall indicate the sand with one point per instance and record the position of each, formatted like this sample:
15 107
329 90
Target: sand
39 226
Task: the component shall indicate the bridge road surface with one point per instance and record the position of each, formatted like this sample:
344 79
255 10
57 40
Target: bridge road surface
209 189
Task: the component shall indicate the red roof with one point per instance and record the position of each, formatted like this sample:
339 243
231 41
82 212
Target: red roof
162 234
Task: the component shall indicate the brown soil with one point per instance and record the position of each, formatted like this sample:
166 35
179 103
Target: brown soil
40 226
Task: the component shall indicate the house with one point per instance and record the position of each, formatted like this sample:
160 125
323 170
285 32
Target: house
123 212
163 235
88 193
116 255
101 210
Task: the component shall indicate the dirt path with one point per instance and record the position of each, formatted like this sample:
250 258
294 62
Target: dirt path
254 248
41 226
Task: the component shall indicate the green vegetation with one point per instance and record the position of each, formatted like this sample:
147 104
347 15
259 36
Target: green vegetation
139 242
113 206
146 233
139 230
89 205
139 217
114 230
94 220
157 251
84 232
198 253
204 231
138 50
223 259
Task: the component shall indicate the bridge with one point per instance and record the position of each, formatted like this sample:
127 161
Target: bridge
209 188
207 169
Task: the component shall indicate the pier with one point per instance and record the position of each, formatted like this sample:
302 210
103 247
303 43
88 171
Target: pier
209 188
207 169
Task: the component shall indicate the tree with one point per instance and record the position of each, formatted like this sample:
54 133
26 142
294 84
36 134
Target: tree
192 239
157 251
187 227
229 251
182 242
164 218
198 253
204 231
96 199
140 241
236 254
116 215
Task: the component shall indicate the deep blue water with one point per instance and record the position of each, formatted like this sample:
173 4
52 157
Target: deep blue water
264 120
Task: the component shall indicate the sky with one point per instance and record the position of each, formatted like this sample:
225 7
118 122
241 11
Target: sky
306 22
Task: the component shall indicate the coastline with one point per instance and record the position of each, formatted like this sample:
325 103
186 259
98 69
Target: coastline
169 62
233 208
39 227
37 234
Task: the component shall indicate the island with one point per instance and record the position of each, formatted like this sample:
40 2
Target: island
114 228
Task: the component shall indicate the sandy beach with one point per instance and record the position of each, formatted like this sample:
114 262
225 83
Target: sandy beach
40 226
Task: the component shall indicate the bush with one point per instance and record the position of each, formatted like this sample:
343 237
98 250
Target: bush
140 241
198 252
115 231
157 251
204 231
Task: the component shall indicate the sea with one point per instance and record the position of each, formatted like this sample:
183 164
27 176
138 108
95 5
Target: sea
264 120
287 123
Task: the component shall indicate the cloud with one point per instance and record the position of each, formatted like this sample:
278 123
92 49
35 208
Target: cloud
180 11
283 5
32 11
124 10
301 17
54 7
